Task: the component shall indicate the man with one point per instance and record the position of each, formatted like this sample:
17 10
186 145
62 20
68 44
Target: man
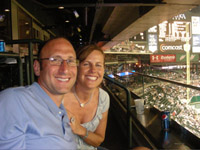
33 117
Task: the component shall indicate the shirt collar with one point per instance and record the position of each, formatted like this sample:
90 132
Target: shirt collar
53 108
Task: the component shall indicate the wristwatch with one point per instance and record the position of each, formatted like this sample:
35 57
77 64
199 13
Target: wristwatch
87 132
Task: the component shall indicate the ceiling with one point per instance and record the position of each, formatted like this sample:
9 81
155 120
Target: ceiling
107 22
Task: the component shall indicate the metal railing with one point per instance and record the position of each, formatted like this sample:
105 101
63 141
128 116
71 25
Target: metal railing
19 62
128 117
146 81
30 42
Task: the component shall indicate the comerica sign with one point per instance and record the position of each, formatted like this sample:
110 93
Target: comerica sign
164 47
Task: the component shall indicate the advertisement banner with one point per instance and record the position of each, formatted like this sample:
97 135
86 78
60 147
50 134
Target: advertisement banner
153 42
182 57
195 24
196 43
171 47
173 34
195 34
162 58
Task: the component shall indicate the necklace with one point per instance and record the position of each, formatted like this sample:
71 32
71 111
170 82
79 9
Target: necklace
82 104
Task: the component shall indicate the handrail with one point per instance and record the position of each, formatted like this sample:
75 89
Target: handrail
129 118
20 66
114 81
9 54
170 81
23 41
30 50
29 65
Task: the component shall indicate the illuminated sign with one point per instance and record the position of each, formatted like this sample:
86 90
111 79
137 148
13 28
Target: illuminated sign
140 37
180 17
162 58
152 42
195 34
153 29
164 47
175 31
196 43
173 34
182 57
133 71
121 74
111 76
195 25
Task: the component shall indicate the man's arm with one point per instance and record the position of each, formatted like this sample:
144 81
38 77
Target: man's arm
11 122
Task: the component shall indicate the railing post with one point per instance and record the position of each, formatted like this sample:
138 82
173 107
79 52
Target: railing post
30 48
129 118
27 70
20 65
128 107
30 43
143 85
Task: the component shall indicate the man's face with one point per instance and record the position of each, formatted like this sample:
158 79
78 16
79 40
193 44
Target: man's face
57 80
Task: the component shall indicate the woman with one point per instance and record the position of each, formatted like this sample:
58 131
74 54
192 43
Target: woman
87 104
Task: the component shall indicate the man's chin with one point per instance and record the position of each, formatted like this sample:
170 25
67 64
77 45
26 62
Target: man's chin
64 91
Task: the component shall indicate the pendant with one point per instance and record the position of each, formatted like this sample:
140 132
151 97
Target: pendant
82 105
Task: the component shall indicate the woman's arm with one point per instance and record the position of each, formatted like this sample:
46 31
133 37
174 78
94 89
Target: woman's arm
97 137
93 138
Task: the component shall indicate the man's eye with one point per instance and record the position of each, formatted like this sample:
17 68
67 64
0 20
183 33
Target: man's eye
71 61
56 60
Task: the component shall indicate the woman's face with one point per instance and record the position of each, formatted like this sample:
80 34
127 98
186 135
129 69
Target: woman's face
91 70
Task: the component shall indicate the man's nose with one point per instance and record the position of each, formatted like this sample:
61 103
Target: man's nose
64 67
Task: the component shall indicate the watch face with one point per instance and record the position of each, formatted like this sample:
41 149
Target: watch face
2 18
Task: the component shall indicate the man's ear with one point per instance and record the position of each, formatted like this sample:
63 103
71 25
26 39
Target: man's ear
36 67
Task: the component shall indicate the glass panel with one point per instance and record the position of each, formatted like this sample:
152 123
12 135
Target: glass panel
182 102
5 21
9 75
24 24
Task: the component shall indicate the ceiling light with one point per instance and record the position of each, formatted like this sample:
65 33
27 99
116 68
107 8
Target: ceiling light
67 21
7 10
78 29
2 18
61 7
10 61
76 13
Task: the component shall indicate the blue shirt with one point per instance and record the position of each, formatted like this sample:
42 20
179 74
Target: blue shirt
29 119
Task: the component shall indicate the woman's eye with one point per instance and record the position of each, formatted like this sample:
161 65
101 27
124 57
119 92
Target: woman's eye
85 64
98 65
